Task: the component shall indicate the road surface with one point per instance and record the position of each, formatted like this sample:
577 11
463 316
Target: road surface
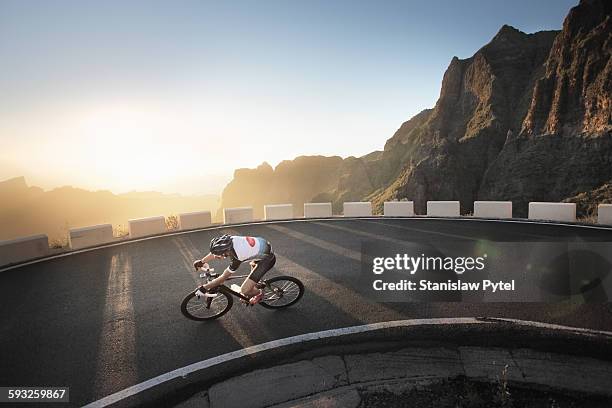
103 320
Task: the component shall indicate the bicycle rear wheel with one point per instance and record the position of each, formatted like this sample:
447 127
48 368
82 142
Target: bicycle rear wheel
281 291
206 308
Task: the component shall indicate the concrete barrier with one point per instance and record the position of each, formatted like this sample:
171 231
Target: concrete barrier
141 227
493 209
23 249
357 209
399 208
443 208
278 211
317 210
604 214
193 220
90 236
552 211
237 215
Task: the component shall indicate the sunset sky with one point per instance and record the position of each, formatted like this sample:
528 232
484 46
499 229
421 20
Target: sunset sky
173 96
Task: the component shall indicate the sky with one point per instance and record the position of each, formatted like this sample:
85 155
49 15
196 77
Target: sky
173 96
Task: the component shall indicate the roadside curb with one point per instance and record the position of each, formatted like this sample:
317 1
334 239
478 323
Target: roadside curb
339 380
174 387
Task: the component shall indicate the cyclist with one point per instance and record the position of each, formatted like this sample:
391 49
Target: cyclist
240 249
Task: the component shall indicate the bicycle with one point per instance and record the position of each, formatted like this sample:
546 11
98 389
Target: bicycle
279 292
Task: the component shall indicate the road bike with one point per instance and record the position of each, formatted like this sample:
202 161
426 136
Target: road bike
278 292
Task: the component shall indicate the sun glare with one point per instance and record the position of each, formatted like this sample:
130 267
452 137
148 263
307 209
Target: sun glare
132 148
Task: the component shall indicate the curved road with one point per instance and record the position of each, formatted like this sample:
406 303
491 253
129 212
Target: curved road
103 320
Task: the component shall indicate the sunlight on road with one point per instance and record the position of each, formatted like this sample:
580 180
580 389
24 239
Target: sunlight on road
116 361
189 253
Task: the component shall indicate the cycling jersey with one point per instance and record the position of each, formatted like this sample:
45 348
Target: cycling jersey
248 249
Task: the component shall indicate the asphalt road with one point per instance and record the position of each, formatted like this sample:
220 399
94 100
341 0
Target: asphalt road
103 320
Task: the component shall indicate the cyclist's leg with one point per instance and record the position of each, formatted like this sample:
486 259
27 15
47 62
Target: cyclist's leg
257 272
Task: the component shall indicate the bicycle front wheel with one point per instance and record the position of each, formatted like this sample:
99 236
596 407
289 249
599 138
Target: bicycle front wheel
282 291
206 308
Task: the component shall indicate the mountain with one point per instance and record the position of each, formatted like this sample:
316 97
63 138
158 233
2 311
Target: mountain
526 118
26 210
295 181
564 147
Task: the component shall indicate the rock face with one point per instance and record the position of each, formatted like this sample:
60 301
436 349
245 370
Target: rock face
296 182
528 117
482 100
564 147
587 202
573 96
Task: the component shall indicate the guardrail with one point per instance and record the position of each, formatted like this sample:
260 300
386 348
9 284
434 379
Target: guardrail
237 215
24 249
443 208
604 214
493 209
37 246
193 220
317 210
553 211
357 209
278 211
141 227
398 208
90 236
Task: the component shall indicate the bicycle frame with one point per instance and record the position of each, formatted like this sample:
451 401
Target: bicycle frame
224 289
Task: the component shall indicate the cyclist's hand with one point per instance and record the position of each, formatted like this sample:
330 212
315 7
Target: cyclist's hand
198 264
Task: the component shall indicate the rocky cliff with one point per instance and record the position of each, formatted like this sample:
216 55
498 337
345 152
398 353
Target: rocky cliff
292 181
527 117
564 147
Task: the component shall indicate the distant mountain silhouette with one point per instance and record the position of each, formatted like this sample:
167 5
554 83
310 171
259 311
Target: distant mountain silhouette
527 118
26 210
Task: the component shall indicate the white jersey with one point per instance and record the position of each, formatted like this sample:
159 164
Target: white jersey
249 248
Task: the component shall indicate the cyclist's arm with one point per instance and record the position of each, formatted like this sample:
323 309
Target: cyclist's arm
210 257
218 280
233 267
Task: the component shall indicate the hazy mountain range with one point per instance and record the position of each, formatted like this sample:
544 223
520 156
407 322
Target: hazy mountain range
26 210
527 118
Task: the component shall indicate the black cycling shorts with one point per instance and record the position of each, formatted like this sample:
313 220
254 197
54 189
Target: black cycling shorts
262 265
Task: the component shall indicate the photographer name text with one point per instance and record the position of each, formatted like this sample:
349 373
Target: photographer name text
427 285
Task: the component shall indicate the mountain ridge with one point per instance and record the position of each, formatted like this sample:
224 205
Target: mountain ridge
482 139
27 210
